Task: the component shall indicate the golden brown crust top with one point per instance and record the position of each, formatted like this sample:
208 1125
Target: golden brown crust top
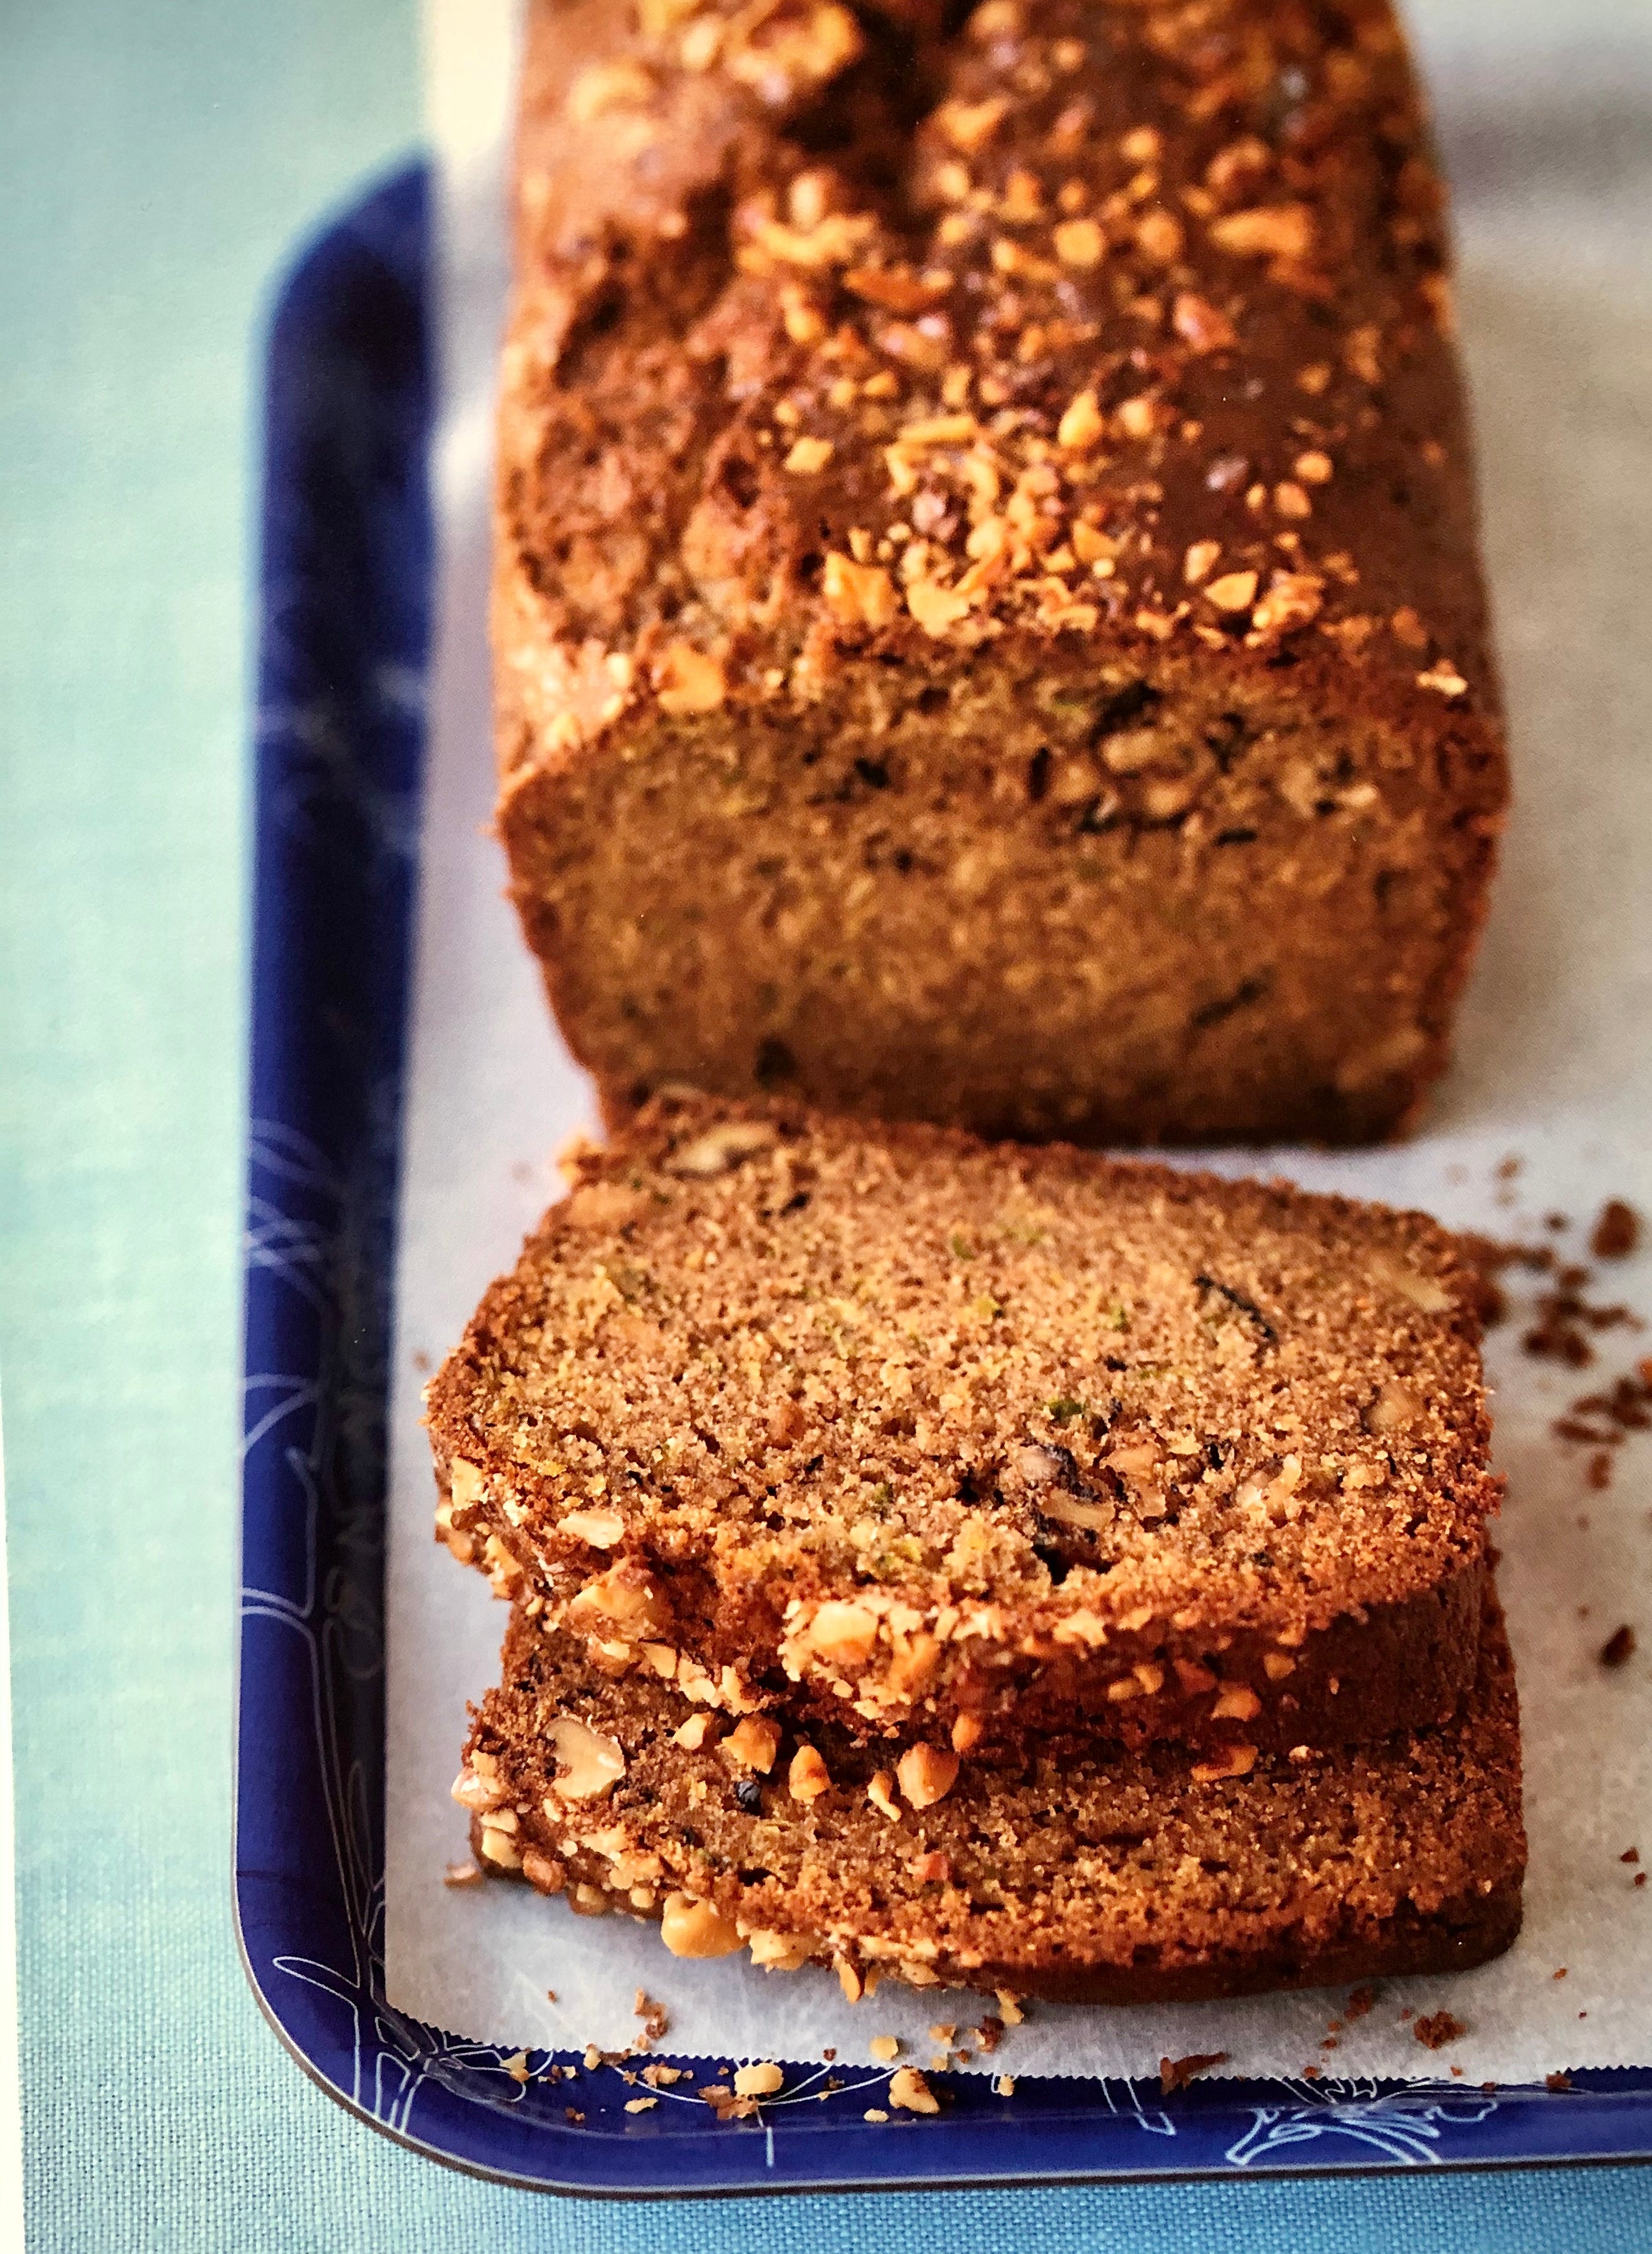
842 329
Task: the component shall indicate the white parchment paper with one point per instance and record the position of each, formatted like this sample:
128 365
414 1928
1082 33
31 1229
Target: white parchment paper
1553 166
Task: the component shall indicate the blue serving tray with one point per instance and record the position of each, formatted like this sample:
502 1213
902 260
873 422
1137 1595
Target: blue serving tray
346 593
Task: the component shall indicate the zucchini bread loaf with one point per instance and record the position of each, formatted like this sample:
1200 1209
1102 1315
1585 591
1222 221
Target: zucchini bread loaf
1104 1878
962 1444
987 623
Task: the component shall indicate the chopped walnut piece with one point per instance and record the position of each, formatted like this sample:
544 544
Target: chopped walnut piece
590 1763
695 1929
1200 325
597 1530
885 2049
1313 467
1080 243
970 125
808 1777
936 608
927 1773
881 1793
908 2090
1231 1760
760 2080
1268 231
779 51
1236 591
1293 598
809 457
858 594
1443 677
1236 1703
1083 425
1199 561
1291 500
753 1743
967 1730
1159 237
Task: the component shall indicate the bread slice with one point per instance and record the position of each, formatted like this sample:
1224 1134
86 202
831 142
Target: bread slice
1132 1879
968 1442
987 618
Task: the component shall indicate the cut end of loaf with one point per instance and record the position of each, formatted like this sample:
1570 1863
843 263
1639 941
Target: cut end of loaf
1042 897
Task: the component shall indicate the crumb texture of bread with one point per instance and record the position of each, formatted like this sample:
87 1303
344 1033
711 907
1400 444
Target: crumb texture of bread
1110 1877
987 617
926 1435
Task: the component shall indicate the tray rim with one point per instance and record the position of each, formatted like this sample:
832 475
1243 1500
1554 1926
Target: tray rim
384 235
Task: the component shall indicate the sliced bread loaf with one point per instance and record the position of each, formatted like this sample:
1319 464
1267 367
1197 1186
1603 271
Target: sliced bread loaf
963 1442
1108 1877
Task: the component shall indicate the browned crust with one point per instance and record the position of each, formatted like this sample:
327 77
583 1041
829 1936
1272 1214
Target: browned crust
643 509
1139 1885
732 1542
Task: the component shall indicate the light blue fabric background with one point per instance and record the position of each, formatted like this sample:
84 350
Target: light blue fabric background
157 161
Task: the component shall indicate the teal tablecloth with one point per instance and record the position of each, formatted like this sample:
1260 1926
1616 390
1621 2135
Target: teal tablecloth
156 163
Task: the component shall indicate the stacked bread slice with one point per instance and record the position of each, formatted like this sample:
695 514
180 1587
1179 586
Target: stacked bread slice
986 1563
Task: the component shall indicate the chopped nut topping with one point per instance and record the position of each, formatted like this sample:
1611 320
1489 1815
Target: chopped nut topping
1291 500
1231 1760
808 457
464 1484
970 125
908 2090
1236 591
1444 677
694 1929
624 1597
1236 1703
927 1773
885 2049
808 1777
1200 326
609 85
967 1732
1159 237
1293 598
752 1744
542 1872
858 594
1080 243
1269 231
1199 561
693 1733
1083 425
759 2081
881 1793
598 1529
1313 467
842 1634
591 1762
936 608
